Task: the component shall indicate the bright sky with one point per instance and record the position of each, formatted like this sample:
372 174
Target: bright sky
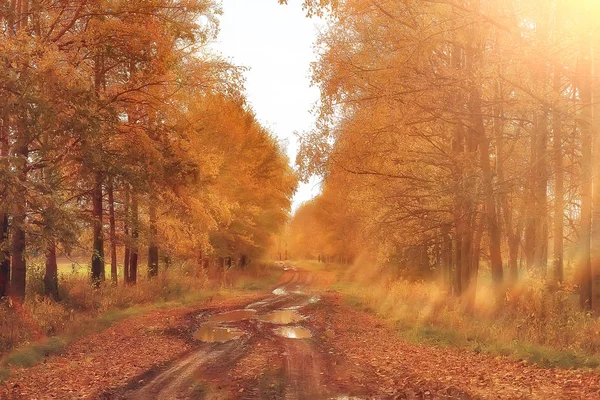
276 43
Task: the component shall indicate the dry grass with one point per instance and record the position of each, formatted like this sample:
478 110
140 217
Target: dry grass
82 308
529 322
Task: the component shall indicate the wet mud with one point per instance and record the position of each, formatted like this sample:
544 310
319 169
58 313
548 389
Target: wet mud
235 340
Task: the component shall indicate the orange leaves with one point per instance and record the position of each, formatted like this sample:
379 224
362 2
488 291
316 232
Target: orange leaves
120 91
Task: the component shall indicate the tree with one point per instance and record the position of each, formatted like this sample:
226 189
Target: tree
111 119
436 114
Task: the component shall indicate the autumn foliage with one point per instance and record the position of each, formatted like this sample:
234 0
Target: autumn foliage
122 136
458 141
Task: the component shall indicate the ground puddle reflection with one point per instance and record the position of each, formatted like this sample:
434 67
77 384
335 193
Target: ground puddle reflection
293 332
233 316
283 317
214 333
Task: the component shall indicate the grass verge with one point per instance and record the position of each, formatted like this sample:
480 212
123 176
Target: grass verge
542 356
84 311
29 355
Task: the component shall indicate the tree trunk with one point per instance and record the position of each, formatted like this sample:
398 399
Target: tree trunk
133 259
541 196
4 239
19 266
51 273
530 225
513 234
476 251
98 268
4 255
513 259
490 206
585 90
559 176
474 255
466 256
113 232
51 276
459 215
424 250
126 277
446 256
457 282
595 230
98 272
152 245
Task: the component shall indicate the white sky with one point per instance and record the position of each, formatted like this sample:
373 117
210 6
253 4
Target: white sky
276 43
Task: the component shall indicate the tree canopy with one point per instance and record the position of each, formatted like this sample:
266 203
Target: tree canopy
118 123
451 132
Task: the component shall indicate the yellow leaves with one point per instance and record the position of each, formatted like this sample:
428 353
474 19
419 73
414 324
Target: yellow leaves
242 175
116 88
249 175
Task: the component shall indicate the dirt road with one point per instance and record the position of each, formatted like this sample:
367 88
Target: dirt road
264 350
295 343
301 344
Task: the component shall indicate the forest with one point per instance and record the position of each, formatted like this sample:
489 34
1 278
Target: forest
121 135
150 246
457 138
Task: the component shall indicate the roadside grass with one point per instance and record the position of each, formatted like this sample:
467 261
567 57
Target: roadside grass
543 356
529 324
40 327
30 355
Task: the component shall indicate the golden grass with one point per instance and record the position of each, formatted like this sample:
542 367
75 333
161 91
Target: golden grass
528 322
81 306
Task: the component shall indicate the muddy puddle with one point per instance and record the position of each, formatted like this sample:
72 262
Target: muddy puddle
212 333
233 316
282 317
293 332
